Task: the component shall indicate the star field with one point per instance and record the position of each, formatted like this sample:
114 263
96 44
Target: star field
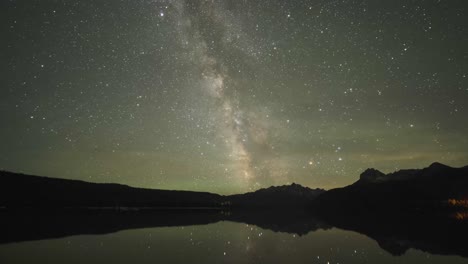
231 96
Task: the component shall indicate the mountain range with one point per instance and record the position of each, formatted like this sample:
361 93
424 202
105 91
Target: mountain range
428 189
400 210
414 189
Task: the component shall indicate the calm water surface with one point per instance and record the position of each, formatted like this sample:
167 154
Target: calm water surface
222 242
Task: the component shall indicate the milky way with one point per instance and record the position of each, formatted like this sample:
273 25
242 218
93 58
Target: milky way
230 96
240 128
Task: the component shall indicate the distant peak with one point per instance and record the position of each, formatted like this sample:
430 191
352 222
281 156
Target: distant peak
438 165
371 174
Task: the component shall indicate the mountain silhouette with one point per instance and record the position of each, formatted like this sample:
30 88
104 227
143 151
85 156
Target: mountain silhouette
290 196
404 190
404 209
20 190
436 171
400 210
415 189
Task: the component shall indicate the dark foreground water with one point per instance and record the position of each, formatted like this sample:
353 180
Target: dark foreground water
221 242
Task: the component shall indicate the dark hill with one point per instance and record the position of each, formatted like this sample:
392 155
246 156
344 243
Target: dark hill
19 190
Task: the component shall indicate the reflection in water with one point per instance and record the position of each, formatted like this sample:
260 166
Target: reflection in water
461 205
461 216
222 242
210 237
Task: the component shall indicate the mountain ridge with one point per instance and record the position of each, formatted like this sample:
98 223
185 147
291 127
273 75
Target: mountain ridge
424 189
433 170
20 190
400 210
436 182
292 196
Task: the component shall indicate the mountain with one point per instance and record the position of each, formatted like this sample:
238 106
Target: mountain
290 196
415 208
436 171
20 190
414 189
405 190
400 210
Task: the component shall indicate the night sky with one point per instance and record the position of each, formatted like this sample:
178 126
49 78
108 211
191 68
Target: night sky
231 96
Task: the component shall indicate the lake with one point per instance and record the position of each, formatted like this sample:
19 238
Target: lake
220 242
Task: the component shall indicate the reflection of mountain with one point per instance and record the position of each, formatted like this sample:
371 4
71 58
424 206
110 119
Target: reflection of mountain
26 224
288 221
17 225
62 207
396 233
401 210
